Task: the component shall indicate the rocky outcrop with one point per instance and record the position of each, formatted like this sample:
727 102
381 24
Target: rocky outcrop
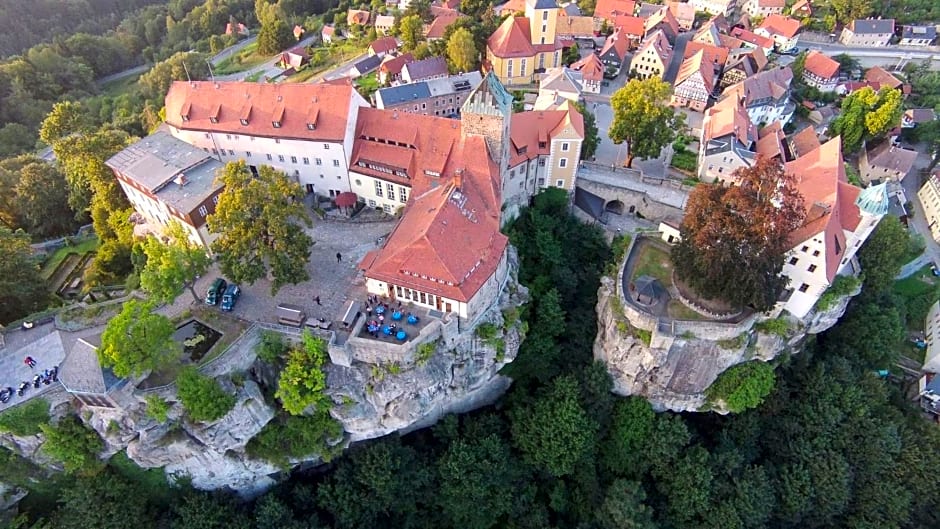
673 371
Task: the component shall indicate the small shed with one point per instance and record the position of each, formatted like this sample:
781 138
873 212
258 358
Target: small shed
648 291
290 315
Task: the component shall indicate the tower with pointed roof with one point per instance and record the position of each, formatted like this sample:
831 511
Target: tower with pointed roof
524 46
543 20
487 112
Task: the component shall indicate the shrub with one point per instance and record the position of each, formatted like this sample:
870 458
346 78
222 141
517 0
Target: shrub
157 408
272 346
202 396
302 382
486 331
742 386
842 286
777 326
733 343
25 419
74 445
295 437
685 160
644 336
510 317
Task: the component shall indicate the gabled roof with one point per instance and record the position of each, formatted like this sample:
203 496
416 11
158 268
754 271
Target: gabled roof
697 64
608 9
561 79
665 20
659 44
751 62
770 143
682 11
591 67
357 16
393 65
885 155
920 115
81 372
631 26
882 77
714 55
919 32
616 43
710 30
425 68
820 65
770 3
510 8
530 128
802 5
752 38
384 21
872 26
804 141
726 117
771 84
441 22
575 26
828 198
384 45
395 95
513 38
780 25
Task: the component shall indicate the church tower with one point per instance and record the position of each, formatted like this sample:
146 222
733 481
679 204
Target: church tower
487 112
543 20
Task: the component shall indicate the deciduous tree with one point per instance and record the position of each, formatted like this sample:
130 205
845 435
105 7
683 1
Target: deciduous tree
172 265
883 254
591 137
461 51
475 472
137 340
734 238
643 118
202 396
302 382
21 288
260 225
411 31
866 114
74 445
43 198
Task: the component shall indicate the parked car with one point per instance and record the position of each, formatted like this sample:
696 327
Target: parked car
230 297
216 289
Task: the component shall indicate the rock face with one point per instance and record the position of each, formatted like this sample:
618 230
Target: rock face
673 372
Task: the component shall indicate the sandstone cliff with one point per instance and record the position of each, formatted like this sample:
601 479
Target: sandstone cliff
673 371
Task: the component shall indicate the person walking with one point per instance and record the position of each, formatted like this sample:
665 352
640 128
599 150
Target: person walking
30 361
339 257
317 299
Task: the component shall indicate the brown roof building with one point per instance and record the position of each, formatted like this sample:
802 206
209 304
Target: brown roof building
820 71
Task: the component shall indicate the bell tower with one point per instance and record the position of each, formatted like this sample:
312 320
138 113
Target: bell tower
487 112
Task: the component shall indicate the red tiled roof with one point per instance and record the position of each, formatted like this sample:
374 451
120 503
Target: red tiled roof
616 42
659 44
631 26
591 67
448 240
663 19
697 63
770 141
713 54
802 5
882 77
608 9
780 25
820 65
752 38
729 116
357 16
262 103
511 7
384 45
393 65
529 128
828 198
804 141
513 38
441 22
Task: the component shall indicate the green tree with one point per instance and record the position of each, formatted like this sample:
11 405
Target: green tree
475 472
258 220
25 419
411 31
22 290
870 332
643 118
204 510
734 238
554 432
43 198
172 265
623 507
178 67
75 446
274 36
462 51
105 502
883 254
572 55
849 10
302 382
866 114
591 137
742 386
137 340
157 408
686 485
202 396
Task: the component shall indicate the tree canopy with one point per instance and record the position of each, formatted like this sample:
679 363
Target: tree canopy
172 265
22 290
643 118
865 115
260 221
734 238
203 398
462 51
302 382
138 340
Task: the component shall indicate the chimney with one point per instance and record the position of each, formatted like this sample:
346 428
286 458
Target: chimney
181 180
458 178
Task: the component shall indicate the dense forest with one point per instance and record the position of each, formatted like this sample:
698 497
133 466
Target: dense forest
834 445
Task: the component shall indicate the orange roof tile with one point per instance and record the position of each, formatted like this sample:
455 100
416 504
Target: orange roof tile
729 116
714 55
665 20
631 26
261 102
511 7
384 45
609 9
357 16
780 25
441 22
752 38
528 129
393 65
880 76
616 42
820 65
513 38
591 67
697 63
770 141
804 141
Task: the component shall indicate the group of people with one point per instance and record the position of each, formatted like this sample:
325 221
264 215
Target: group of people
47 377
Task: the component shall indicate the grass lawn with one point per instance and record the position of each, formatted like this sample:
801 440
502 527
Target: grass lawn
59 255
919 283
122 86
304 75
654 262
245 59
676 309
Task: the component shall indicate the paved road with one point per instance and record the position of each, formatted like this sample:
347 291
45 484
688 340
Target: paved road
267 68
227 52
918 221
126 73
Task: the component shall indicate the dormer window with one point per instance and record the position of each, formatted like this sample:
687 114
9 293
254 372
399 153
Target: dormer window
311 126
276 124
214 114
184 112
244 122
184 117
213 120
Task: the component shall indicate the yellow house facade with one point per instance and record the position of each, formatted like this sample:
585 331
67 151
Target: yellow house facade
523 47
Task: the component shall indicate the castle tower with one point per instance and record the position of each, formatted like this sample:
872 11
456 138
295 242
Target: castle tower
543 20
487 112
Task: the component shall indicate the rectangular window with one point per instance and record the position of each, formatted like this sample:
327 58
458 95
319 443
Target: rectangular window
280 157
293 159
509 68
804 249
522 67
804 287
326 146
812 268
563 162
564 146
306 161
276 124
203 211
277 140
231 152
319 161
269 157
544 16
378 188
559 183
371 203
402 195
228 136
207 134
793 260
247 154
391 191
335 163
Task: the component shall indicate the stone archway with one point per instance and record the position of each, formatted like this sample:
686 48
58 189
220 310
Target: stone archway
614 206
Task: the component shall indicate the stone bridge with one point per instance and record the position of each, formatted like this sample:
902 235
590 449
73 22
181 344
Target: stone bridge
602 190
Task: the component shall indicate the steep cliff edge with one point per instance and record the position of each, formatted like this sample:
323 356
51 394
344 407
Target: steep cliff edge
674 371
